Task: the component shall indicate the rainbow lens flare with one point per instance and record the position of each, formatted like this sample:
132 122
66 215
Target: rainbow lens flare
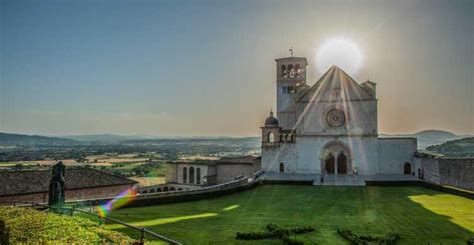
124 197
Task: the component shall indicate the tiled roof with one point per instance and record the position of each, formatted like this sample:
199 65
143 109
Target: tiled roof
37 181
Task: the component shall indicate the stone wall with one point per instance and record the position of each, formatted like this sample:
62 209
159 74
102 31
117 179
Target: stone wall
430 169
395 152
228 172
455 172
71 195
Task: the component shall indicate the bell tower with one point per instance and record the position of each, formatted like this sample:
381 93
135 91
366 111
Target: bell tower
290 79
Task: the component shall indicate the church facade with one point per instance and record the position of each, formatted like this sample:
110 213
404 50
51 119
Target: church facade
329 127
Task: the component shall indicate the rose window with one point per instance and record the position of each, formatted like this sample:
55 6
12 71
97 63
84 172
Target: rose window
335 118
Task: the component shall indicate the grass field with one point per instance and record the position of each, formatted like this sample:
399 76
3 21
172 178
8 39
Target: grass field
419 215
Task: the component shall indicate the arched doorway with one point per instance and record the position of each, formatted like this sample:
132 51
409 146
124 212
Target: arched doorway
336 158
329 164
282 167
342 164
407 168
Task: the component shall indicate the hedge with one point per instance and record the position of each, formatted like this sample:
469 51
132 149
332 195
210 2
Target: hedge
30 226
274 231
355 239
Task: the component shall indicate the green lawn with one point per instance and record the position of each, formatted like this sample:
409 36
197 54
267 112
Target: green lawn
418 214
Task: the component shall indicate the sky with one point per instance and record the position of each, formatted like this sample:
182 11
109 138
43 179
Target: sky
206 68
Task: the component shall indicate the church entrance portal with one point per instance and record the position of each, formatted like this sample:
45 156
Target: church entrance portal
329 166
336 158
342 164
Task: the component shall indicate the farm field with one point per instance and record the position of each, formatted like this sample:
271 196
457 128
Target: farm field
419 215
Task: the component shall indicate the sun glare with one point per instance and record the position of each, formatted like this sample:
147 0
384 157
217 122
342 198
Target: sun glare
341 52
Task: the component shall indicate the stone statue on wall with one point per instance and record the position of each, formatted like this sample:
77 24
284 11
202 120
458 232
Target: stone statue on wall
56 185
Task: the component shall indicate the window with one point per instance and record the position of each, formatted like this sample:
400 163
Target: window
291 69
284 90
191 175
291 89
282 167
198 176
284 72
297 70
185 175
271 137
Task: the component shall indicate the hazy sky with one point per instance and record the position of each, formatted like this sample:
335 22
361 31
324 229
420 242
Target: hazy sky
207 67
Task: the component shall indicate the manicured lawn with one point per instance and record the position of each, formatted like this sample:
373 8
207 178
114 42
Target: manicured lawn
418 214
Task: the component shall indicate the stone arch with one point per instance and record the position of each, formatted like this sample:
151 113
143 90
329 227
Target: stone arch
271 137
158 190
185 175
407 168
284 72
165 188
180 189
297 70
152 191
335 153
145 192
191 175
198 176
291 70
172 189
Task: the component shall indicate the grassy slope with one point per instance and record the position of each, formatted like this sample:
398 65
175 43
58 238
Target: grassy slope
30 226
418 214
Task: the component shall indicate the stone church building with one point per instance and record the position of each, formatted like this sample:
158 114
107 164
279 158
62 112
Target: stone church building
329 127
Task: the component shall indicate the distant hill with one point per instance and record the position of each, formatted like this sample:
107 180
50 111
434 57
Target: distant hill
455 148
22 139
428 137
109 138
435 134
434 137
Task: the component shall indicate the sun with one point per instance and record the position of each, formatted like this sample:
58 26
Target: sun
342 52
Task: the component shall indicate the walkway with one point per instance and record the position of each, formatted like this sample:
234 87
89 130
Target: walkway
337 179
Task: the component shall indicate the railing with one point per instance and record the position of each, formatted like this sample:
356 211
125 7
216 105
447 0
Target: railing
143 231
227 185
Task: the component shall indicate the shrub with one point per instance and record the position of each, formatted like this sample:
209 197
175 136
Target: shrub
274 231
469 242
27 225
354 239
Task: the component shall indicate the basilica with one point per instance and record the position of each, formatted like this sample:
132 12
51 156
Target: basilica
329 128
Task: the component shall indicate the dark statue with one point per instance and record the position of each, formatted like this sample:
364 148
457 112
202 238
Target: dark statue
56 185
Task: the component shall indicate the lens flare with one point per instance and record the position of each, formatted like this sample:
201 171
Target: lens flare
342 52
124 197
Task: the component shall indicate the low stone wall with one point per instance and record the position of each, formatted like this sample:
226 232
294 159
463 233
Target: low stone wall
184 195
455 172
166 187
71 195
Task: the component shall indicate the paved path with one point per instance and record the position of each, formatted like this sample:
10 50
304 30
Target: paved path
338 179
